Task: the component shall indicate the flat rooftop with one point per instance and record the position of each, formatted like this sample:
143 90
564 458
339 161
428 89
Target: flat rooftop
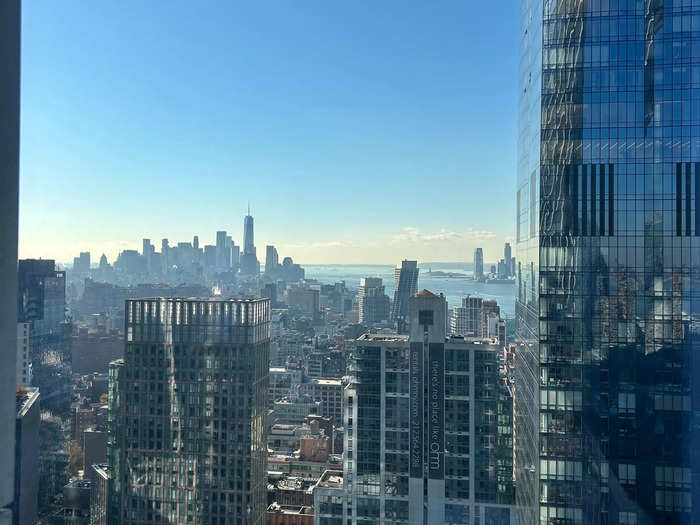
332 479
290 509
326 382
384 337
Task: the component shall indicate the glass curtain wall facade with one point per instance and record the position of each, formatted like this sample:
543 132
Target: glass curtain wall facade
188 412
608 238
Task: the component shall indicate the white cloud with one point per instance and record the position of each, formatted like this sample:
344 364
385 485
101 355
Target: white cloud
410 234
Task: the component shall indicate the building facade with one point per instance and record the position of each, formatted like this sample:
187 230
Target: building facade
467 319
27 457
188 412
272 259
608 238
328 498
428 427
101 512
406 282
372 302
329 392
24 359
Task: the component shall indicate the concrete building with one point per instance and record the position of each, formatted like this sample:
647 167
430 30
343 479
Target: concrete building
24 362
328 498
101 512
428 427
330 393
94 450
476 317
26 456
75 504
373 303
304 300
10 23
467 319
284 382
294 409
93 351
406 281
194 371
277 514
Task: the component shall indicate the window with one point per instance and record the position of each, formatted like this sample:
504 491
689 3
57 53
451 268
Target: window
673 501
672 477
627 474
626 403
627 518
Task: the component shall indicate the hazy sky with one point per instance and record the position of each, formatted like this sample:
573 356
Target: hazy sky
360 131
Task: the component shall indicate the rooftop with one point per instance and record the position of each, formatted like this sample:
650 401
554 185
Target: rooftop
290 509
25 398
322 381
332 479
401 338
102 470
201 299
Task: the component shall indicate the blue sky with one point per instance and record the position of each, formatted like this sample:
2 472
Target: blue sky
360 131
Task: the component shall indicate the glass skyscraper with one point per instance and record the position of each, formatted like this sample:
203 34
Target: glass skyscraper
608 237
188 412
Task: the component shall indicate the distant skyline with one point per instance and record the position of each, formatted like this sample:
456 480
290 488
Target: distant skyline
361 133
410 241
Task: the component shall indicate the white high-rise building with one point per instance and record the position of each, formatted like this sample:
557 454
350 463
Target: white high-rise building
373 304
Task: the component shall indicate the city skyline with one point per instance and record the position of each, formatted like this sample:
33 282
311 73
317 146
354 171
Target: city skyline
253 108
113 250
364 264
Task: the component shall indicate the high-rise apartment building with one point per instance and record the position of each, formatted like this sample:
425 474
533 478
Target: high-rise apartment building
478 264
406 283
608 237
428 427
373 303
467 319
188 406
476 317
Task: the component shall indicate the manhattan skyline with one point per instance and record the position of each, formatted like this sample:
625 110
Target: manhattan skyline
336 128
